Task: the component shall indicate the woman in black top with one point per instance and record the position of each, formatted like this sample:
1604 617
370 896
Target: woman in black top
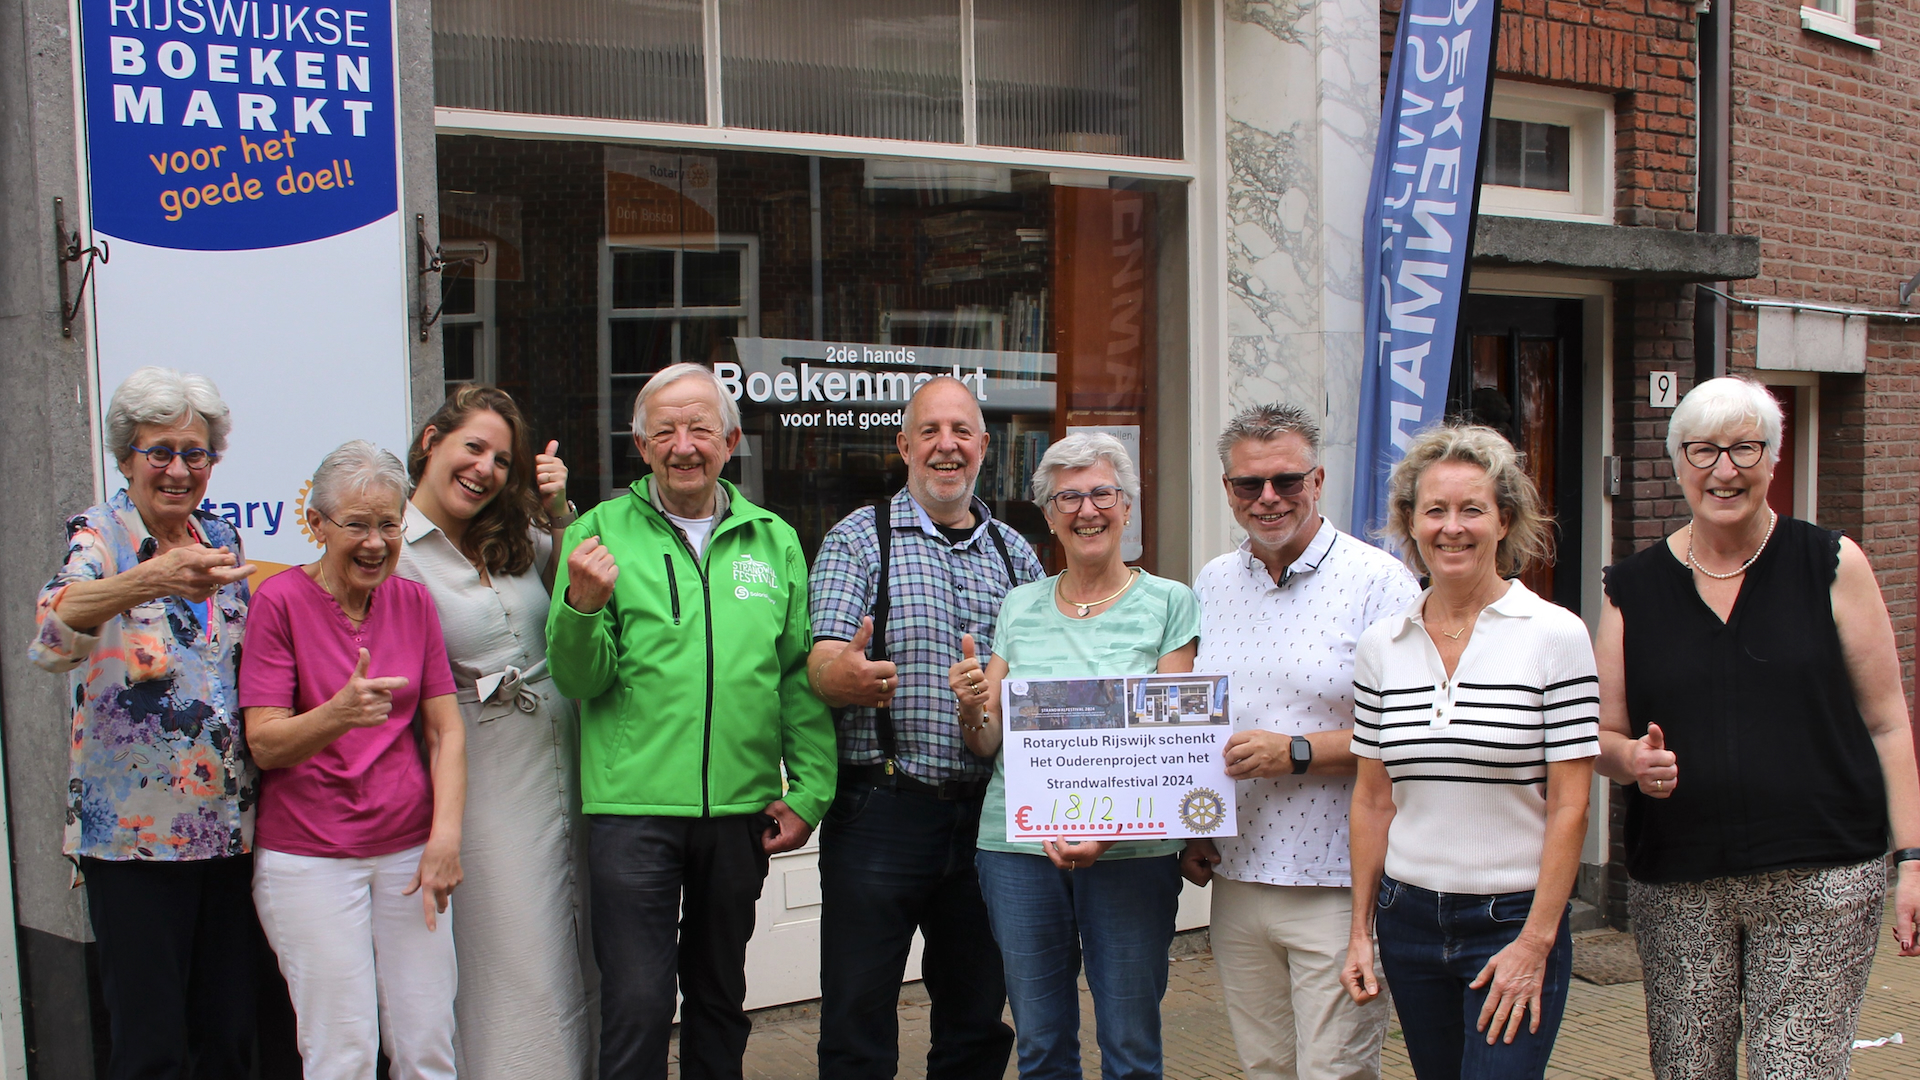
1750 692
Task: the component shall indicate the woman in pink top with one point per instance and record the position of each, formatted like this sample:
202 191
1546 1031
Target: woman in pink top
350 713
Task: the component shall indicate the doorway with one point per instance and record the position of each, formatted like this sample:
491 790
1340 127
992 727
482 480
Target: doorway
1519 368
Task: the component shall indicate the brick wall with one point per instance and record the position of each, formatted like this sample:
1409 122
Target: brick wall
1642 52
1826 172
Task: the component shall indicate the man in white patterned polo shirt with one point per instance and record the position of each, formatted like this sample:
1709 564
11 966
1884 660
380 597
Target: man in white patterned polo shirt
1282 615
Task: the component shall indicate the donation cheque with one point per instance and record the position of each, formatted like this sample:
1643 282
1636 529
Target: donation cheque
1131 758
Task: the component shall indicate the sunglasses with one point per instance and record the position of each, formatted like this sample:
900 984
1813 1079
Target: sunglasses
1285 486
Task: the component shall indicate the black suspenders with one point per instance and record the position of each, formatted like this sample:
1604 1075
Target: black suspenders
877 649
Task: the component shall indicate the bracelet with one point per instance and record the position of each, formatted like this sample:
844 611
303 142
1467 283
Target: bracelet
1906 854
961 719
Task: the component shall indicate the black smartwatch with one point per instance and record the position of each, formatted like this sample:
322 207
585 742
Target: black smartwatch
1302 754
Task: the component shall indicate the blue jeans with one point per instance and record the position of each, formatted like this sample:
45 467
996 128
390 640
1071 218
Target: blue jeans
1116 914
1432 945
893 861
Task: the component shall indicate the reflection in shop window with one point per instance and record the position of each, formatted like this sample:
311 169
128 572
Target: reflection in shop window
823 291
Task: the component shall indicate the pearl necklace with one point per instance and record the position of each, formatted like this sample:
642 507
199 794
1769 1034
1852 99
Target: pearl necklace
1695 563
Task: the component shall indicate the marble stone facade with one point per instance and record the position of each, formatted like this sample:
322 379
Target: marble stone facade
1302 110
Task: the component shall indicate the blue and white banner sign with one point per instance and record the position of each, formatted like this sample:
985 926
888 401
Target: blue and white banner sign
243 169
1419 231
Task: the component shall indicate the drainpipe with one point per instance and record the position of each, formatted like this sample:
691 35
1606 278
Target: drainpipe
1713 115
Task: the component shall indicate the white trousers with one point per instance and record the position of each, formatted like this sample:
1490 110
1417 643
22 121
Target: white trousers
1278 950
364 971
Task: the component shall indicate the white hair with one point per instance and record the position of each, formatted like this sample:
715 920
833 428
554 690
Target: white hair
1081 451
1715 408
163 397
355 466
673 373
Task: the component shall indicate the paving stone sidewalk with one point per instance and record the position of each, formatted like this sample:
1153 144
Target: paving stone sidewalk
1604 1036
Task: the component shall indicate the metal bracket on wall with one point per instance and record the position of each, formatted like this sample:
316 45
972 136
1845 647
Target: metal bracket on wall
433 260
67 249
1610 466
1906 291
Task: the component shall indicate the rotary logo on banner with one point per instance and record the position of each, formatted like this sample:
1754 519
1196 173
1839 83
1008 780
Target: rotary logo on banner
1419 230
242 168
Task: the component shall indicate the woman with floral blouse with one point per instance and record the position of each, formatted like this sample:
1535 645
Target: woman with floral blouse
146 613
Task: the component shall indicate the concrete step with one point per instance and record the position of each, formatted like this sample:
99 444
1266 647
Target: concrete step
1585 916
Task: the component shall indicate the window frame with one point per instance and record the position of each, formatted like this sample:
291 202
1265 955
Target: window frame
617 389
1843 25
480 272
1589 148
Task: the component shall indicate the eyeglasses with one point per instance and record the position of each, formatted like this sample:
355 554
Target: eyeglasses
1285 486
197 458
1705 455
358 531
1102 498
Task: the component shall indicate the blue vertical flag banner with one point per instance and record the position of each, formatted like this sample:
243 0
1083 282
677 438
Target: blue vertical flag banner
1419 231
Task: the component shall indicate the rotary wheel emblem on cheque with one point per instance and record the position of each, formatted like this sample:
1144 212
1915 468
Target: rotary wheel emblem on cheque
1201 810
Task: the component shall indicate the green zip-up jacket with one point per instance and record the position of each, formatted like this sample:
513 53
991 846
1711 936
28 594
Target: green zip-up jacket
692 679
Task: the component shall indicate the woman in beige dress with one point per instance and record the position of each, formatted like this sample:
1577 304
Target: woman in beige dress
481 531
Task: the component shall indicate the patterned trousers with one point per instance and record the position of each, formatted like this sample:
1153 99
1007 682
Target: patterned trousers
1790 950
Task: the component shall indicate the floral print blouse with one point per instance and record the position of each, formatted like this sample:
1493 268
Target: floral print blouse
159 765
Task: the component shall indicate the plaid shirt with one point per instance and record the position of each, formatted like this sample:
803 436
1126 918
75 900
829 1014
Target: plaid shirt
937 593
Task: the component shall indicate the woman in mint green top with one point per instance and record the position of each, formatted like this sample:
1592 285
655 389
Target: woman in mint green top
1054 903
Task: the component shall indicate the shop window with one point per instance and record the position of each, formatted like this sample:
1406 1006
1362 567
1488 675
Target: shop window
1091 76
618 59
1836 19
822 291
843 67
1550 154
1087 76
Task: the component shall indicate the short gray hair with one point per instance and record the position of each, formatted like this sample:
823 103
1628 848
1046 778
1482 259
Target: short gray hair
1081 451
1263 422
1718 406
352 467
164 397
673 373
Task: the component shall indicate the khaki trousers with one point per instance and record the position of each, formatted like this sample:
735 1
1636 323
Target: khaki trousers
1278 950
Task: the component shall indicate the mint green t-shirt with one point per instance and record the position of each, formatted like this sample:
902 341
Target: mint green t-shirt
1154 617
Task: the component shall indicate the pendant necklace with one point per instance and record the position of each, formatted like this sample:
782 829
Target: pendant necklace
1132 576
1742 568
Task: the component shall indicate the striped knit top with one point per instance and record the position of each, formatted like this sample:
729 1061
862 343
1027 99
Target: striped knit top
1468 755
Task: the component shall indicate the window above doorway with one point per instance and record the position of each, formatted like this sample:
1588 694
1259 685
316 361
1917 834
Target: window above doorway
1550 154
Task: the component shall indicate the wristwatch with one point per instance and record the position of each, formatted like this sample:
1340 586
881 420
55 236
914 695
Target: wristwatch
1906 854
1302 754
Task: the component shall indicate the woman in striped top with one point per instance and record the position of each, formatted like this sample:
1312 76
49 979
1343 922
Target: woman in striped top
1476 726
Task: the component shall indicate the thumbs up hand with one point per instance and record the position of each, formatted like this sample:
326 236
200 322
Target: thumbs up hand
1656 768
363 701
849 678
550 474
968 680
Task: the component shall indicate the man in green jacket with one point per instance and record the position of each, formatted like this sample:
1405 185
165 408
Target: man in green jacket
680 622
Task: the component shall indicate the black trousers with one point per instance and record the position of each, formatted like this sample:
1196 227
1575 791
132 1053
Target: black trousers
177 948
674 898
891 862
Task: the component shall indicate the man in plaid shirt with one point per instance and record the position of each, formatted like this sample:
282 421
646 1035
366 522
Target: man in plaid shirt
897 845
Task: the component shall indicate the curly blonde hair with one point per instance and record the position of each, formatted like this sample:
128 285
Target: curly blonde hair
1529 538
